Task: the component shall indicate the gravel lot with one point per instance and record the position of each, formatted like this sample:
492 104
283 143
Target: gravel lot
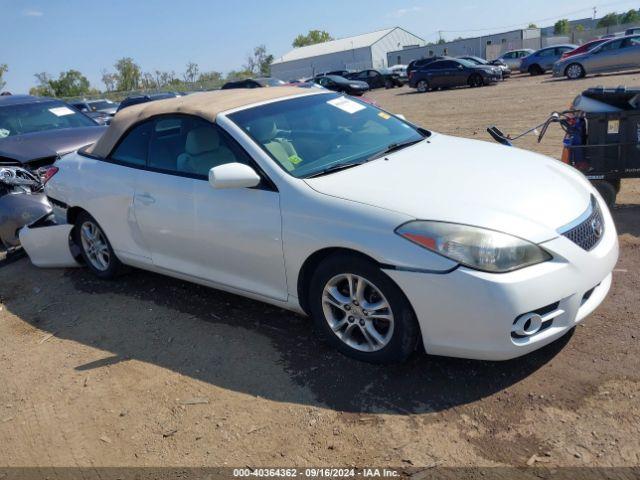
151 371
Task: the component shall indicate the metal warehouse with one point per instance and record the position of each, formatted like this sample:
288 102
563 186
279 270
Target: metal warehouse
352 53
487 46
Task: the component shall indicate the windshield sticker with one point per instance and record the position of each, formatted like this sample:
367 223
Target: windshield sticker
384 115
346 105
613 127
4 132
295 159
61 111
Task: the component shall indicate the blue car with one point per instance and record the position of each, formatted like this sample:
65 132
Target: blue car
542 60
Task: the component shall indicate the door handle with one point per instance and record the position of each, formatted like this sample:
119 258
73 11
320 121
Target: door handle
145 198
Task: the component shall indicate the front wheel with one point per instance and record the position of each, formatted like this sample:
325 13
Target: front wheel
575 71
361 312
422 86
95 247
607 190
535 70
475 80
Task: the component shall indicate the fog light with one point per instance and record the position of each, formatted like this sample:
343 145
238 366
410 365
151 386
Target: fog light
527 325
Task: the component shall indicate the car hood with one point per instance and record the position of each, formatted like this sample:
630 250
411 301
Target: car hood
49 143
470 182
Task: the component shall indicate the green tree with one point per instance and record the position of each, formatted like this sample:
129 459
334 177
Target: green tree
441 41
609 20
632 16
210 79
128 73
43 89
4 68
260 61
561 27
579 28
311 38
238 75
110 80
70 84
532 25
191 74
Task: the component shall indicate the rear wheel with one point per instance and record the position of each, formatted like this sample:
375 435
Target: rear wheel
607 190
95 247
535 70
475 80
422 86
361 312
574 71
388 83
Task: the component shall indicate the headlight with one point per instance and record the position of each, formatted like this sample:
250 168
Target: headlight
474 247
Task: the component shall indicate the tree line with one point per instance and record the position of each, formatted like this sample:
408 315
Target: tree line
127 75
563 27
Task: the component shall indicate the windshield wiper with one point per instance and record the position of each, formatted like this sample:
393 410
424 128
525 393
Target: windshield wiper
335 168
394 147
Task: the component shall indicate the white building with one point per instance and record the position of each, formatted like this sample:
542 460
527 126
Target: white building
352 53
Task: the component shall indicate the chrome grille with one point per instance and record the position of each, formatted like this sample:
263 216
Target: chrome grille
587 230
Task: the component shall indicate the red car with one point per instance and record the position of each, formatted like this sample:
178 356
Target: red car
584 48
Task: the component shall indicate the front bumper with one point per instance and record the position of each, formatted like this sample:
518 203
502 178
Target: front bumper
470 314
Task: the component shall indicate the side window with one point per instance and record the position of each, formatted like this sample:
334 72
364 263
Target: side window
611 46
373 74
133 149
190 145
547 53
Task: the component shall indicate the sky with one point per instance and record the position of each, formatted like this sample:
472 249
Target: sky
89 35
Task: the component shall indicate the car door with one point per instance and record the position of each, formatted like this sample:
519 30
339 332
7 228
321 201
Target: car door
629 56
228 237
607 57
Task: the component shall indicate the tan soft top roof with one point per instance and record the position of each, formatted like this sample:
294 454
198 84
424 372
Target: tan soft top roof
203 104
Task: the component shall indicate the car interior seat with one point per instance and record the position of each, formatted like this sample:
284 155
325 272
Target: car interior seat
203 151
264 130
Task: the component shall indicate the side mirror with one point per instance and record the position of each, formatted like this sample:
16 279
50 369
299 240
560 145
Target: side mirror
233 175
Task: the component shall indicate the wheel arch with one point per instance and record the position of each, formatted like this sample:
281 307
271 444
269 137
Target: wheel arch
311 264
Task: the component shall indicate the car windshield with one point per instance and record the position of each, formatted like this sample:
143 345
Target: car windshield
312 134
40 116
466 63
102 105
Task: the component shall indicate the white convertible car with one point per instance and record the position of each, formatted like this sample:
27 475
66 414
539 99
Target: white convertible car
383 232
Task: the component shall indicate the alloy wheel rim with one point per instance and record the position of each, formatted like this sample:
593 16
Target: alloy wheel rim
95 246
574 71
357 312
422 86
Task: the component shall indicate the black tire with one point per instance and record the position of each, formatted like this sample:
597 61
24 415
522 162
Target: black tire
574 71
607 190
388 84
475 80
535 70
404 337
114 266
423 86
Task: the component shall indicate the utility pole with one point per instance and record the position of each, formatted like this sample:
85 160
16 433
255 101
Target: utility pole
595 12
439 36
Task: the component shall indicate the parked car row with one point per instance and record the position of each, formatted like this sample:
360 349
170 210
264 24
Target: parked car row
451 72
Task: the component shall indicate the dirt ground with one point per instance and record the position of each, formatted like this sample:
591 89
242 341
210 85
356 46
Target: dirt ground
151 371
